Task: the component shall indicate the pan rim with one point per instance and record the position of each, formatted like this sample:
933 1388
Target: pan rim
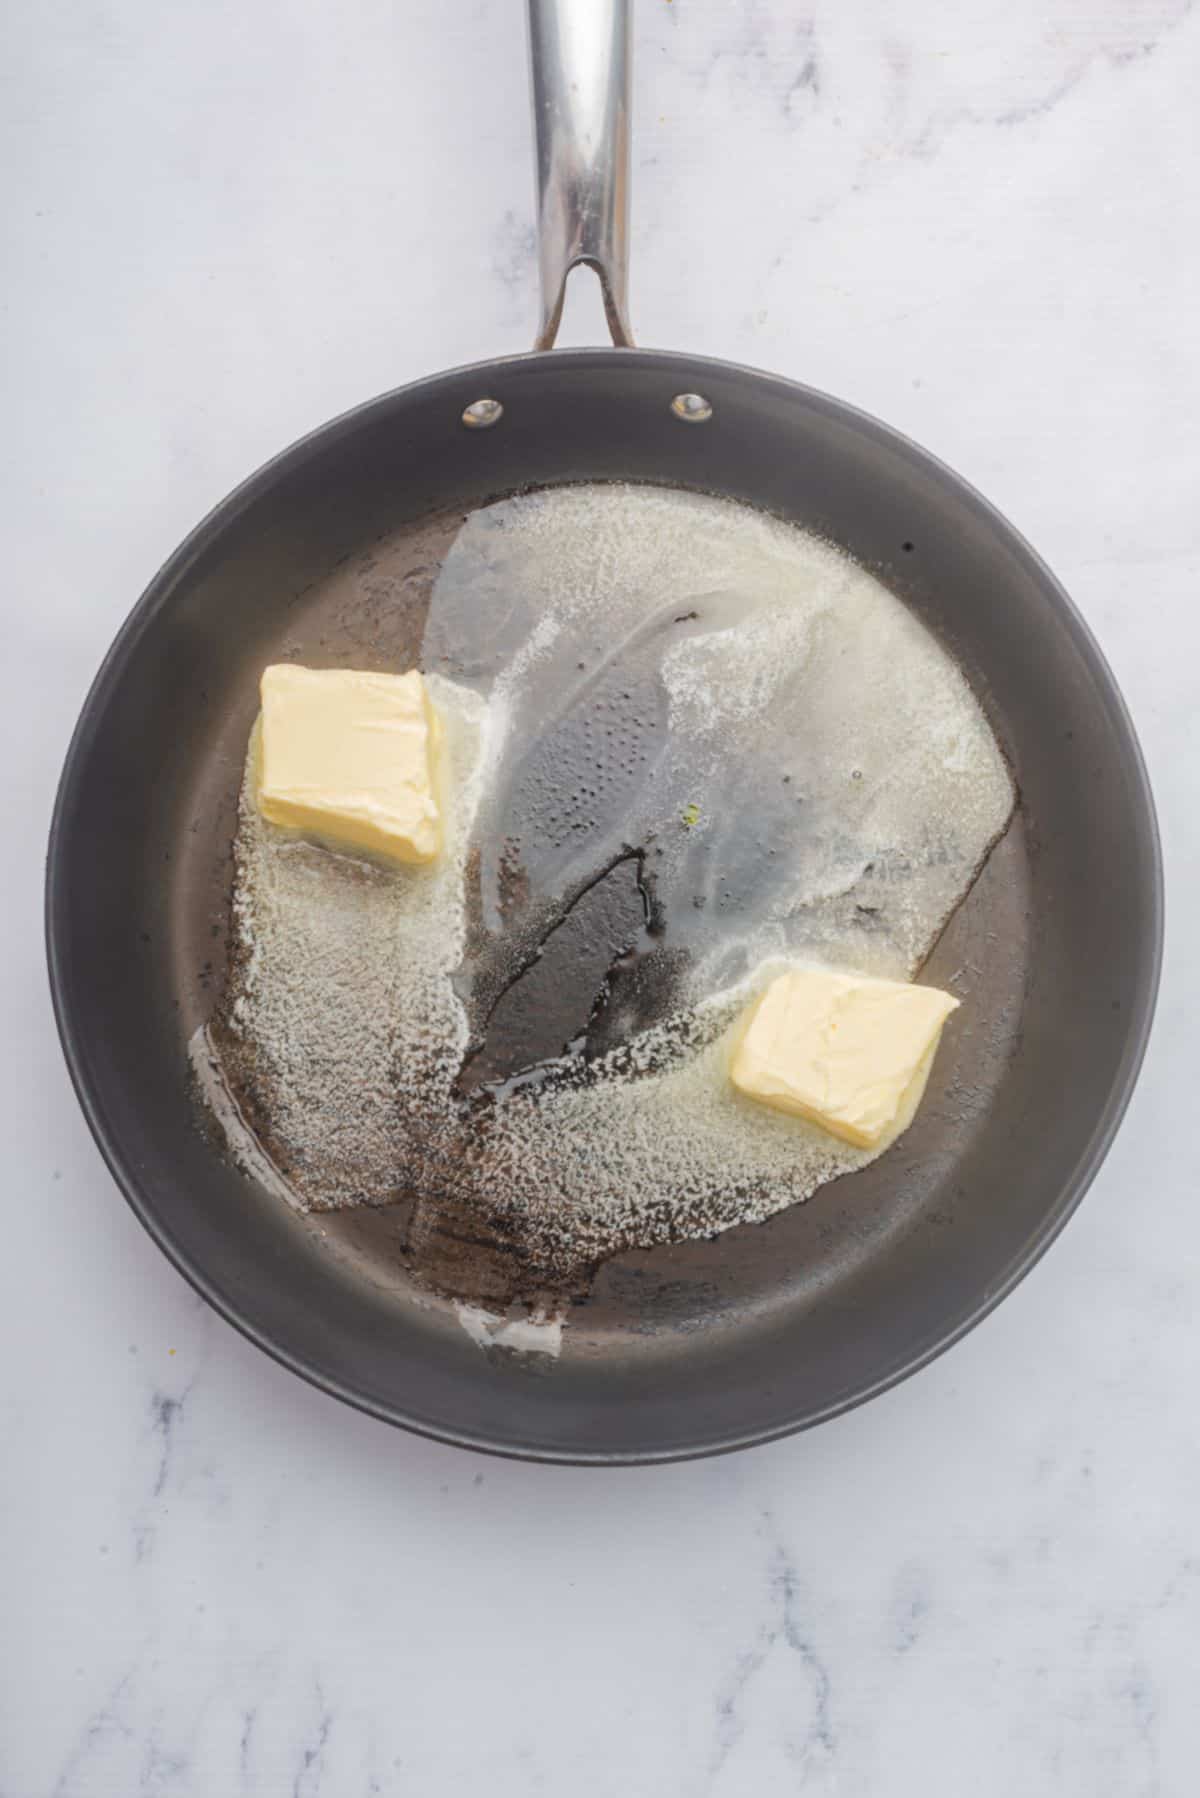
115 1154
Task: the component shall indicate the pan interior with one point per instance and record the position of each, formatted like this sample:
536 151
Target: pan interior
600 655
687 1346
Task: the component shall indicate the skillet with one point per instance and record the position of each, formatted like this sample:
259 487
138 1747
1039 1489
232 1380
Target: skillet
698 1347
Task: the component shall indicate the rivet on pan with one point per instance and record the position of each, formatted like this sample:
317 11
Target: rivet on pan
693 408
480 415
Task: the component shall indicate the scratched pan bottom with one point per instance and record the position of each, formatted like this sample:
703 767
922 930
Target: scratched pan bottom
330 553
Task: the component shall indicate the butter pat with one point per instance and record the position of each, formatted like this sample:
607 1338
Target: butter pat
848 1053
349 758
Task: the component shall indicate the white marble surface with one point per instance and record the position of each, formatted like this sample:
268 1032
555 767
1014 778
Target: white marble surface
224 223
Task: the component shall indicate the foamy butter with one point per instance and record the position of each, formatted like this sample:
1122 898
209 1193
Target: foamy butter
341 1017
538 1333
812 782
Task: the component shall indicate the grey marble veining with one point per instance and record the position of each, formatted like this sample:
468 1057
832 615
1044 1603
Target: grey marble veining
225 224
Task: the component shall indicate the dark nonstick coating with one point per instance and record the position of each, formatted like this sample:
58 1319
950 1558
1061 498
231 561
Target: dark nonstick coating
704 1346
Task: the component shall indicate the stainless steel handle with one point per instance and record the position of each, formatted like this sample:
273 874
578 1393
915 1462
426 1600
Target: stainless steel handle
579 58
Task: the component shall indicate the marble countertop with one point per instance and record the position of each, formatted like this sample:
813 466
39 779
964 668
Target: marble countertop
224 224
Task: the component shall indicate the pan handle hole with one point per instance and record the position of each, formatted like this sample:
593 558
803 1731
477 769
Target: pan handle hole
907 548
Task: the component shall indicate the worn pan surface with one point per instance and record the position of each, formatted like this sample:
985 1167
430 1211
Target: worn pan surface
333 547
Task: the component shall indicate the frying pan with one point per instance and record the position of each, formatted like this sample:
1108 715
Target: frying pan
327 553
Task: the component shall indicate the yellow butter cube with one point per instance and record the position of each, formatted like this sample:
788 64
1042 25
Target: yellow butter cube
349 758
849 1053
